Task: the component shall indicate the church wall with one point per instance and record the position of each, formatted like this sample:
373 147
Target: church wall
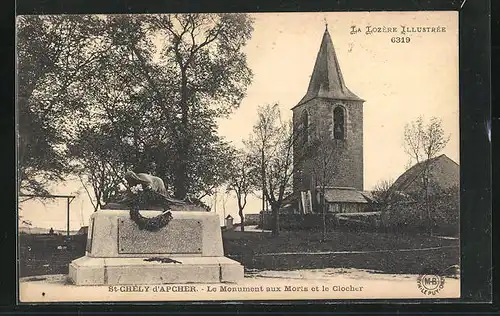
298 183
348 168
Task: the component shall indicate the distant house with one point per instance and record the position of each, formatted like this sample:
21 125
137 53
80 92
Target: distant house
229 222
444 174
408 208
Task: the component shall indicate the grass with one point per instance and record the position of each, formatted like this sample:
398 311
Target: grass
249 248
42 255
300 241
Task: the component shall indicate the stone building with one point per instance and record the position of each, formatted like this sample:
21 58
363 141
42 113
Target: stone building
328 153
443 174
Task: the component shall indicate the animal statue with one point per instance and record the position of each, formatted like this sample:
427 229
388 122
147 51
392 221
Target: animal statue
154 195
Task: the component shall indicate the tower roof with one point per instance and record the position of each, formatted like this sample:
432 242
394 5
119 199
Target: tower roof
326 79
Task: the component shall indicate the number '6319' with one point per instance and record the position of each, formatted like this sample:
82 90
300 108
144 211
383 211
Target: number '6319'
400 39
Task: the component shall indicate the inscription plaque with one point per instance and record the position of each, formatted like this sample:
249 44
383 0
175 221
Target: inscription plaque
178 237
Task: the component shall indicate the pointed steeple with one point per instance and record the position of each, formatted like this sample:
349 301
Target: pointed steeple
327 80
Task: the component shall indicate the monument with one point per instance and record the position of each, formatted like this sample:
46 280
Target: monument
149 238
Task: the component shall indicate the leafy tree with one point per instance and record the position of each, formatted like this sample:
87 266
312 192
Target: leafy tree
101 168
53 57
211 74
129 92
152 108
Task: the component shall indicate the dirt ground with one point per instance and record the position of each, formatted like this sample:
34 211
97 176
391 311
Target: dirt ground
331 284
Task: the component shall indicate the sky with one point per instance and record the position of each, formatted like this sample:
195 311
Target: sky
399 81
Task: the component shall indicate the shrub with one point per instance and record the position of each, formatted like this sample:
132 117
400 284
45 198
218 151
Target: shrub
411 216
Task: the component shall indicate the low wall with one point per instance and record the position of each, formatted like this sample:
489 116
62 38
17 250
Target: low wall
48 254
299 221
356 223
252 219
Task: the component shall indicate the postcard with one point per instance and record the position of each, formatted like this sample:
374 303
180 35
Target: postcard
238 156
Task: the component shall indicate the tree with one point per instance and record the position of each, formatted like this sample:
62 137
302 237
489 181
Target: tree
204 51
54 55
127 127
382 193
446 204
242 181
386 200
133 100
165 108
162 82
100 166
323 165
208 164
271 148
423 142
319 154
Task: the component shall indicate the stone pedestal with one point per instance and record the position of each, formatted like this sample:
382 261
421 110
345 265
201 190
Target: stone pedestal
188 250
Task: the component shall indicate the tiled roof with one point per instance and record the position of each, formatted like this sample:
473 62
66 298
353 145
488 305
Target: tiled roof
345 195
444 174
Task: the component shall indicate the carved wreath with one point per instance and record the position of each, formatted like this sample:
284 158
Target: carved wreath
140 198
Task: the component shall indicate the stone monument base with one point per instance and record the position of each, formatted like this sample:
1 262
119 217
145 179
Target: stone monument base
103 271
187 250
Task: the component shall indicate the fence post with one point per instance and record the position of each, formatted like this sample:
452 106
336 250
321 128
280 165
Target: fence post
67 217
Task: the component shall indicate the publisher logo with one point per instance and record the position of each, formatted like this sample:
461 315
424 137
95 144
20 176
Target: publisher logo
430 283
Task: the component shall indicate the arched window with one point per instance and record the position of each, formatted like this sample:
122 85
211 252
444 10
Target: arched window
338 123
305 127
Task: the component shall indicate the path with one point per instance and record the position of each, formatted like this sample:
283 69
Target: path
264 285
351 252
251 229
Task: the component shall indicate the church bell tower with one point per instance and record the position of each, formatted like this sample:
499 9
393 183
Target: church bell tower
328 116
